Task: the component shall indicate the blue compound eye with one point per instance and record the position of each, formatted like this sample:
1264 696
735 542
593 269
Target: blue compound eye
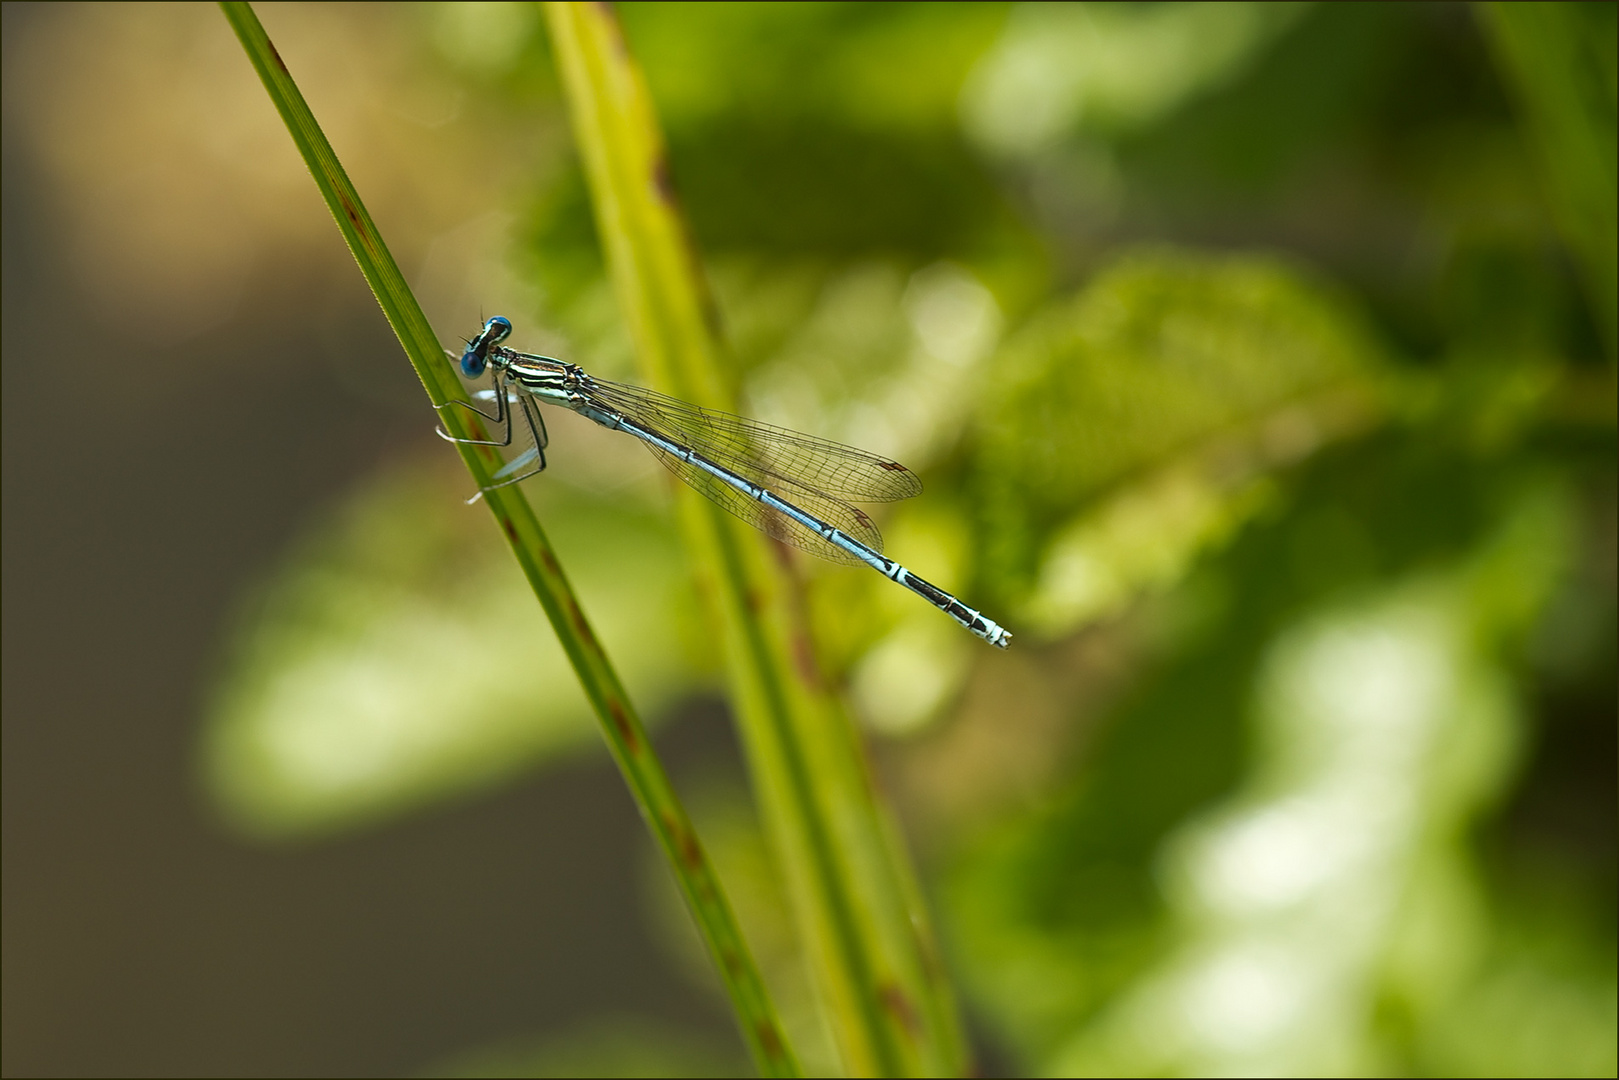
473 362
496 330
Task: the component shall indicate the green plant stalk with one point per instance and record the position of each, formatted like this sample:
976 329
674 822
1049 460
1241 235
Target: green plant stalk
856 900
1570 119
634 754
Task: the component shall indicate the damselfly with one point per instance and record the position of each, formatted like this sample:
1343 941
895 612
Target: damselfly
792 487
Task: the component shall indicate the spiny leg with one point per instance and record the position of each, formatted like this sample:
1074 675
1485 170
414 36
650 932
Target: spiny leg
501 417
536 429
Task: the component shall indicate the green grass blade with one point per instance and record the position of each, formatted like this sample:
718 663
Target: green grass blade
1551 56
620 726
856 901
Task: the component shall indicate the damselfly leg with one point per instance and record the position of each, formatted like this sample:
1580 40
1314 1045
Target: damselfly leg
536 452
506 403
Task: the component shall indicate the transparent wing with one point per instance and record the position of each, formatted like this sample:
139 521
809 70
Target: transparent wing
769 456
773 522
518 463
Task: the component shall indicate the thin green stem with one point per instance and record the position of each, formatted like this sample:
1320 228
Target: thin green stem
634 754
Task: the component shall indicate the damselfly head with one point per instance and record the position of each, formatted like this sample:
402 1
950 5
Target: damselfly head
496 330
476 357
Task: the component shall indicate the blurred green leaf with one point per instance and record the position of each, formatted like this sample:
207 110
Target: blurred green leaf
1561 61
1158 358
884 67
1338 874
1108 67
362 685
834 130
1064 911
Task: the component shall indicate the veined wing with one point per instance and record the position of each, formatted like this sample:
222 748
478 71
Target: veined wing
784 461
773 522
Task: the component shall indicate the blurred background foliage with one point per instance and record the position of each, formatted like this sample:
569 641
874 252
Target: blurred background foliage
1259 363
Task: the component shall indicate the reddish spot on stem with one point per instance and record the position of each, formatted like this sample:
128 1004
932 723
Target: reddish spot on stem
550 561
580 625
685 842
356 221
280 63
769 1038
662 183
895 1001
511 530
804 657
754 600
610 14
621 723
